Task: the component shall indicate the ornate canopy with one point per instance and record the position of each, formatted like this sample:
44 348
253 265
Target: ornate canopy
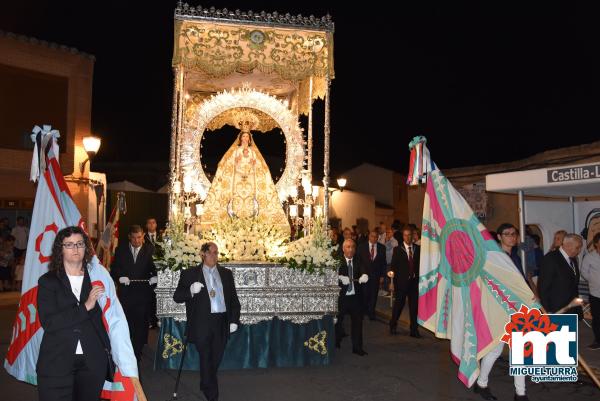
279 54
282 63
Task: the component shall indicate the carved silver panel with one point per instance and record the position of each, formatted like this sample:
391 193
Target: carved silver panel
265 291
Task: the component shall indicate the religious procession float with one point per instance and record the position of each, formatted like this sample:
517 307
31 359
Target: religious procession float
257 72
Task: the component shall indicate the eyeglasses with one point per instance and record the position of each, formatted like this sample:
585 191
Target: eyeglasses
509 234
72 245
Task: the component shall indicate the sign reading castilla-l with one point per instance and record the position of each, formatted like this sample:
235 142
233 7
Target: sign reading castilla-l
574 173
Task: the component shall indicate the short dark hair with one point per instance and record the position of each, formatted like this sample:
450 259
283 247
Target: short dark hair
505 226
20 218
136 228
150 218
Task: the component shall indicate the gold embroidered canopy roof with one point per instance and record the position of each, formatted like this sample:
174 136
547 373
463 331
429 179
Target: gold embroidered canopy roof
279 54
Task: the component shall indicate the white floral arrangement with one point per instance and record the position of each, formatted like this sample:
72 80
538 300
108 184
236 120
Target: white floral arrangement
178 249
248 239
312 253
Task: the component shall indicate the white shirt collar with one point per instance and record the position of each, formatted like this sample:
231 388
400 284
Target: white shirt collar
567 257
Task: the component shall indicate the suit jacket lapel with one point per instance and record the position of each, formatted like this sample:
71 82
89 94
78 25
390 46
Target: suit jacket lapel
86 286
64 279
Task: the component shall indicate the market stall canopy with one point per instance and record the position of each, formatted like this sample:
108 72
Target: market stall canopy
564 181
127 186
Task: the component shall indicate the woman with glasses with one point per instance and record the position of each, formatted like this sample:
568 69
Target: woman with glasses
73 360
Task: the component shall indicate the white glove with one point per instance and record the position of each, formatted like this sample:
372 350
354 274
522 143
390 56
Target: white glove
233 327
153 280
124 280
363 279
196 287
344 279
390 274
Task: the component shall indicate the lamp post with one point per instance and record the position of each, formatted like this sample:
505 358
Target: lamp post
91 145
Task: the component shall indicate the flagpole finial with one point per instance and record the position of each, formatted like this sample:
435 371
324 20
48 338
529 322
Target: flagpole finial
45 147
420 161
417 140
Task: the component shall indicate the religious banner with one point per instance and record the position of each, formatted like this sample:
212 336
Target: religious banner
468 286
54 209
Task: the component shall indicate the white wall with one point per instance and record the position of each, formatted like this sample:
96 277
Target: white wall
350 206
552 216
371 179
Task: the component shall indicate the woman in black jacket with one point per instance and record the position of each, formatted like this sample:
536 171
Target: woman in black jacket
73 360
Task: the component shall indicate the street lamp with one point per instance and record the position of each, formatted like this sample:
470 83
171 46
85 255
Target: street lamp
342 183
91 145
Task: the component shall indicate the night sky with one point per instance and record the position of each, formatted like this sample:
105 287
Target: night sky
485 83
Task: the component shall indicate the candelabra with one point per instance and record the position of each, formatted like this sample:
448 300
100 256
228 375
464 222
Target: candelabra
188 197
302 210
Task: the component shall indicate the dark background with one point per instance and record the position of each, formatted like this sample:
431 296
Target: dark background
486 83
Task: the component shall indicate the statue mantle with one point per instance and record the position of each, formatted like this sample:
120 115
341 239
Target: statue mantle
265 291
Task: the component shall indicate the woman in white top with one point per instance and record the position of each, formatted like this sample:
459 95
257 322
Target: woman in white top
73 359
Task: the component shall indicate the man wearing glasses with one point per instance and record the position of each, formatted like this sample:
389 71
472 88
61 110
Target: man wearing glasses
508 236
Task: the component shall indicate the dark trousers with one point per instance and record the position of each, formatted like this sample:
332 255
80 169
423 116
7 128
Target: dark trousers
137 319
595 305
350 304
82 385
371 294
410 291
152 319
210 349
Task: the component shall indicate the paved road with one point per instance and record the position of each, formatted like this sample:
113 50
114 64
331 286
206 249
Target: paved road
397 368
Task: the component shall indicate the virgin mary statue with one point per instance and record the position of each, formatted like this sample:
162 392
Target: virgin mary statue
242 186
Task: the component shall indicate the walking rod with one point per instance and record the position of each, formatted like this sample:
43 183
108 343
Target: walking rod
185 346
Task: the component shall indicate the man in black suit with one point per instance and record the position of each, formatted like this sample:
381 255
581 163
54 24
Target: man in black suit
352 280
134 273
558 281
150 237
405 275
213 312
372 256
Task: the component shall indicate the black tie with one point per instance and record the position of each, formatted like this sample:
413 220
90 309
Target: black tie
573 265
350 276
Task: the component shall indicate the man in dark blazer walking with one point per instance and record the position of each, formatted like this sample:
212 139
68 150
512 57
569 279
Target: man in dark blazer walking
558 282
352 281
151 237
213 312
134 273
372 256
405 274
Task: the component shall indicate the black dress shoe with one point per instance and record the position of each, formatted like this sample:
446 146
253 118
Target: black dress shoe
484 392
521 397
393 330
415 334
360 352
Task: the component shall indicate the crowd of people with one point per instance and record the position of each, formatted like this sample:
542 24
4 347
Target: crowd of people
383 261
13 244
